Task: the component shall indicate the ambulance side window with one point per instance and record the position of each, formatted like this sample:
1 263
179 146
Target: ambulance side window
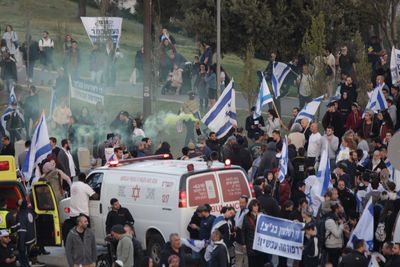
94 181
43 197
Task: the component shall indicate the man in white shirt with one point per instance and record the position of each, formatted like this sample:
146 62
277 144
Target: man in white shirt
333 144
81 193
314 145
46 47
65 160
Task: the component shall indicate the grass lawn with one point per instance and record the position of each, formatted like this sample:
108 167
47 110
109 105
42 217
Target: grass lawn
59 17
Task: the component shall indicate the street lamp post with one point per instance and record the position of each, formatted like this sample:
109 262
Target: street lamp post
147 44
218 45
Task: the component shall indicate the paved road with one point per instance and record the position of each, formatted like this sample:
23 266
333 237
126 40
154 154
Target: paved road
125 89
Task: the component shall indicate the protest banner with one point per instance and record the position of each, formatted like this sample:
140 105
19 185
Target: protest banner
279 237
86 91
395 65
101 29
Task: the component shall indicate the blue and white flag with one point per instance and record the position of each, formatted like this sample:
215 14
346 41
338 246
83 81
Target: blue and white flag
365 227
222 116
377 100
12 97
283 162
40 147
194 245
324 172
279 72
310 109
264 97
218 222
390 168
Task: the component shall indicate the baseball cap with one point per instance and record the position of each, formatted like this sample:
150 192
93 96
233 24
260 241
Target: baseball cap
4 233
119 229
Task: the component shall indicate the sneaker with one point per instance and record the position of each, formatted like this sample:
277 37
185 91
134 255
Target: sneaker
37 263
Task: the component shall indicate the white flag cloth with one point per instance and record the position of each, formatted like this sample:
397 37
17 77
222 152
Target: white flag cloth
365 227
396 232
12 98
324 172
395 65
264 97
222 116
279 72
310 109
283 162
39 149
194 245
377 100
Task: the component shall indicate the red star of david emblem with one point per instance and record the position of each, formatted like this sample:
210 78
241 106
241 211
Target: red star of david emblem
135 192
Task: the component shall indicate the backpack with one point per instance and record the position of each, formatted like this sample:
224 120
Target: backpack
321 230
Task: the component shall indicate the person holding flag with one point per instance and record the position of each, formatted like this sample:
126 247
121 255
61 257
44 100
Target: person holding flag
39 149
12 120
221 118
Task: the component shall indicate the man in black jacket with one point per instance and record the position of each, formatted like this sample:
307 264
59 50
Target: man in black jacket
7 147
173 247
117 215
269 205
395 258
253 125
346 197
219 254
8 71
356 258
311 251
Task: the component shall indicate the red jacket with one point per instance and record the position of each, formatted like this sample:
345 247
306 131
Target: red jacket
353 121
284 192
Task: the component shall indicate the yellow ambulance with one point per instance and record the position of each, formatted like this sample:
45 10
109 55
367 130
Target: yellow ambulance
41 199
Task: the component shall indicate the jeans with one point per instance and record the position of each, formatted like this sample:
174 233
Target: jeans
303 100
29 69
189 132
8 85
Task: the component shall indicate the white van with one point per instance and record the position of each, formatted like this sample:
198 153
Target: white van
162 195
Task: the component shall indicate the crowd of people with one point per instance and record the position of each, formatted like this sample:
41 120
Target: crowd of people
357 141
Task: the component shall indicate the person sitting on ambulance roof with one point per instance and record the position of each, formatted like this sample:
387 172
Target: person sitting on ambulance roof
117 215
7 220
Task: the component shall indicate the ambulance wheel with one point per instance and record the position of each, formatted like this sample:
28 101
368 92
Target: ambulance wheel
155 245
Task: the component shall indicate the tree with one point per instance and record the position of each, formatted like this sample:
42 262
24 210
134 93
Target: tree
363 69
82 8
314 49
249 83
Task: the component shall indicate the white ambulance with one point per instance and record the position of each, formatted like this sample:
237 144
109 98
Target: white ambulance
162 195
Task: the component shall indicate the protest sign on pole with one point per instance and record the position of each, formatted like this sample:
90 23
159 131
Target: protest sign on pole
86 91
102 29
279 237
395 65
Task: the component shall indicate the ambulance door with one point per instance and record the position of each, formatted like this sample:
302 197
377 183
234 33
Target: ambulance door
48 230
96 207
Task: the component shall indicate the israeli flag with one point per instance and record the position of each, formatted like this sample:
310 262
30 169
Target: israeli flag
390 168
279 72
222 116
194 245
13 97
264 97
310 109
218 222
283 162
324 172
40 147
377 100
365 227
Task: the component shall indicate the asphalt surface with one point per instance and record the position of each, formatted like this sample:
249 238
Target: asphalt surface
45 79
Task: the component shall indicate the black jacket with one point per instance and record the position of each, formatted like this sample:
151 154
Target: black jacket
194 234
241 157
120 216
335 120
354 259
311 251
8 150
393 262
250 121
269 205
138 252
347 199
168 251
219 257
248 231
8 69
